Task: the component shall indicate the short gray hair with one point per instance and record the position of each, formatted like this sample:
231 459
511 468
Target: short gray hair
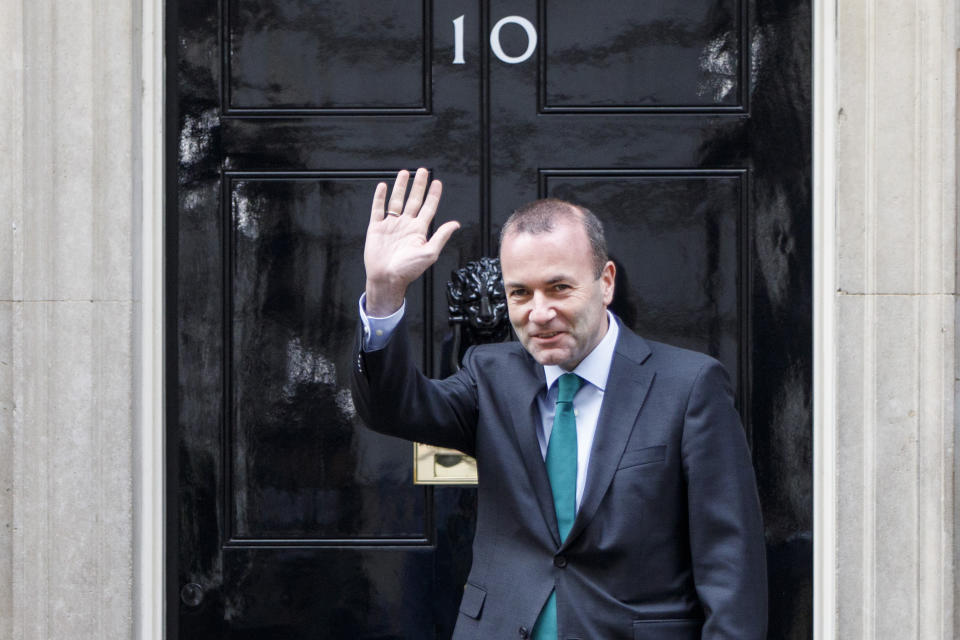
541 216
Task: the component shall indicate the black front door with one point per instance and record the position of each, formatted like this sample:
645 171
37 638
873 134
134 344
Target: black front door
684 124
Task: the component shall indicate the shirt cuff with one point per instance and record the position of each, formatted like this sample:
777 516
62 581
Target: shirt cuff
377 331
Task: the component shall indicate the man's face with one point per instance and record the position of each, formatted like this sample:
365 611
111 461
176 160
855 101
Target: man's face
557 306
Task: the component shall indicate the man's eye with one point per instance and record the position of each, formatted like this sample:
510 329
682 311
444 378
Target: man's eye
518 293
561 287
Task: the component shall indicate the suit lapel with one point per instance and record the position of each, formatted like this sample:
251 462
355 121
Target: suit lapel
627 387
526 417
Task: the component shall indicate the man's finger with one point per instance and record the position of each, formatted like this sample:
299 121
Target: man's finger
379 196
416 192
429 208
399 190
441 236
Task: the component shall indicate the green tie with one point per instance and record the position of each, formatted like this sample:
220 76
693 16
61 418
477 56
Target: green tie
562 471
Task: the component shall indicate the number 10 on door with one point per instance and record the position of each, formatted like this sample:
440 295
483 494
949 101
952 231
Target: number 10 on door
495 45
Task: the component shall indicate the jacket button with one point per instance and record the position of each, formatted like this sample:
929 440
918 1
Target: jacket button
524 633
560 561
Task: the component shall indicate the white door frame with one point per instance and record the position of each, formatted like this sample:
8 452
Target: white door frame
150 478
824 320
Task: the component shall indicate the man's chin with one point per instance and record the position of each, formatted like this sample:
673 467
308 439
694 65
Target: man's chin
550 356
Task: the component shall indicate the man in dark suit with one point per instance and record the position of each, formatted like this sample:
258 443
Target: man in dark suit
616 495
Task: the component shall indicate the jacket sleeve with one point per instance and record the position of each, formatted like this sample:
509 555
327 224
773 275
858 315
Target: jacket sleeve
394 397
726 530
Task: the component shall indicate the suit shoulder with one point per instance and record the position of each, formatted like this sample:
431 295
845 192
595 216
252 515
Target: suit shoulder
485 360
495 351
687 371
662 349
681 360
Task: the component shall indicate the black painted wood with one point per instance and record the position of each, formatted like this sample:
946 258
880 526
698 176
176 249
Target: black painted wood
684 125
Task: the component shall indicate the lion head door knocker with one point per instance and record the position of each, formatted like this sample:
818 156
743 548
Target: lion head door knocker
478 309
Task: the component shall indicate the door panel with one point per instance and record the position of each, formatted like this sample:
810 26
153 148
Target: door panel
615 58
338 55
683 125
296 242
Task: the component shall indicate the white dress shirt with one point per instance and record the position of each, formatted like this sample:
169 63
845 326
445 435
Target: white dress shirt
376 331
594 369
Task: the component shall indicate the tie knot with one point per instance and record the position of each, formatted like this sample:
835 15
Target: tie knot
567 386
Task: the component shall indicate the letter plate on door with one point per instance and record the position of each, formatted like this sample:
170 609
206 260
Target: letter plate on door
438 465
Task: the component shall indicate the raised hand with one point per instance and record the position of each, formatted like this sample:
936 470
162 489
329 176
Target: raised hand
397 250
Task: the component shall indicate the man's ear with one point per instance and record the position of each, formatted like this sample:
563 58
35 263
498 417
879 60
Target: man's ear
607 277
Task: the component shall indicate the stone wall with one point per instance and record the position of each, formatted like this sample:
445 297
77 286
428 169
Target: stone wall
895 301
68 205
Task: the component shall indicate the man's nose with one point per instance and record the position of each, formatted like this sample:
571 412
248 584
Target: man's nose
542 311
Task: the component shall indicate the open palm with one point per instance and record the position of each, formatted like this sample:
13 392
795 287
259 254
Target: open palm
397 250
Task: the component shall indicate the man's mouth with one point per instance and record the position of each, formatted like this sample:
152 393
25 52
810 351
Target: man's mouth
547 335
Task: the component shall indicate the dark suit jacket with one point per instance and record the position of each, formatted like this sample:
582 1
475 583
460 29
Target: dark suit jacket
668 541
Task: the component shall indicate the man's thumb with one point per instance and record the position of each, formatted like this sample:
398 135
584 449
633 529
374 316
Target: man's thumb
442 235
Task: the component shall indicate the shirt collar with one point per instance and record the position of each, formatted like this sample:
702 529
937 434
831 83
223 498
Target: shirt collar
596 366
